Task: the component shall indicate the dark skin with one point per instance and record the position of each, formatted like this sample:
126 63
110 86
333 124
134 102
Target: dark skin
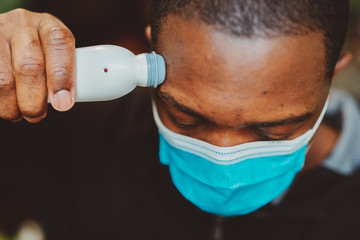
37 59
227 90
219 88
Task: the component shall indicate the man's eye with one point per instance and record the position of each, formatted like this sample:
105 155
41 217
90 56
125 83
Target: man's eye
184 124
267 136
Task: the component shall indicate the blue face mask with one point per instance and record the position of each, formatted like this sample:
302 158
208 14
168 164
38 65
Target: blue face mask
229 181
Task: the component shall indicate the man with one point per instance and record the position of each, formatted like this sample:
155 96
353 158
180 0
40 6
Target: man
247 86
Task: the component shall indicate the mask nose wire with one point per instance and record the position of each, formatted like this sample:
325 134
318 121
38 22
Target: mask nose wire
304 138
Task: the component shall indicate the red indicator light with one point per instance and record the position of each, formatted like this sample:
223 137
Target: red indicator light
106 70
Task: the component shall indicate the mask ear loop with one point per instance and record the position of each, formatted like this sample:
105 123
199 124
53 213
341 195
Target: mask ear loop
318 122
309 147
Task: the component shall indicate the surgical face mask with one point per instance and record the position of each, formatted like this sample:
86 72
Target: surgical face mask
229 181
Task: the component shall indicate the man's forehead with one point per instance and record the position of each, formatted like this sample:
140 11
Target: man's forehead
206 67
201 49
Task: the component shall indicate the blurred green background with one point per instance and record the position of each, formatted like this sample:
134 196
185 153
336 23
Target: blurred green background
7 5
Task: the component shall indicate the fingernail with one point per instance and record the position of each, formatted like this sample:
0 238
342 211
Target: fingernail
63 100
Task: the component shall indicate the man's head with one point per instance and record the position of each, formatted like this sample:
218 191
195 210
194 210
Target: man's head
263 19
241 71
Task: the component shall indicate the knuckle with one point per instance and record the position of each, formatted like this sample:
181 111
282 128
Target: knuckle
31 69
15 18
61 38
17 15
18 12
61 74
46 15
7 81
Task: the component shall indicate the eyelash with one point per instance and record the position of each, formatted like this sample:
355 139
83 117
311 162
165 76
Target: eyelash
256 131
184 126
267 138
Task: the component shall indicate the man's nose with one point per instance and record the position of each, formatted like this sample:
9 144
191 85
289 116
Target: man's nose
228 137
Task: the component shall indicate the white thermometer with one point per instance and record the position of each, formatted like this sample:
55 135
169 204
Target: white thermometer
107 72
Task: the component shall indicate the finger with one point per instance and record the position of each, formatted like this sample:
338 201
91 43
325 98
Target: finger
29 67
17 120
8 104
59 48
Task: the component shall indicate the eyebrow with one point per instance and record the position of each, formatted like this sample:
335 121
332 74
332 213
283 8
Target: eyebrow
168 99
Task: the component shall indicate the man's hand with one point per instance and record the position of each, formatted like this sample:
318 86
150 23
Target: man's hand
37 57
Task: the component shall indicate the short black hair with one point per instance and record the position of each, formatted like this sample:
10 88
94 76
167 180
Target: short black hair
264 18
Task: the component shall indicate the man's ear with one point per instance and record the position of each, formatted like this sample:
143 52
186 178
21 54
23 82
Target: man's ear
148 33
343 61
